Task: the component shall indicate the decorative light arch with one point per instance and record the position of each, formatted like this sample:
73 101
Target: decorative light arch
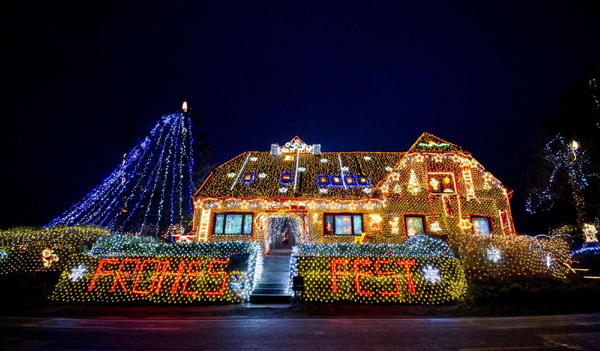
262 222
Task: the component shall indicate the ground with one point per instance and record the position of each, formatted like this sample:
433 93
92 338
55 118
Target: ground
296 328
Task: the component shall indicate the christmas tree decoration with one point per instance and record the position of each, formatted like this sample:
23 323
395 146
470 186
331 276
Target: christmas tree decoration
413 183
150 191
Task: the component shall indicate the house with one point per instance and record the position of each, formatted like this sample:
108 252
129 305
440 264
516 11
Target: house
297 194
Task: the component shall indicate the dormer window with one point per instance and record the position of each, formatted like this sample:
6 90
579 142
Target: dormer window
350 180
362 180
336 180
323 180
286 178
248 178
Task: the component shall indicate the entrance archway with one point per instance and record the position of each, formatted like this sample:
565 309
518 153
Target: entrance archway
282 231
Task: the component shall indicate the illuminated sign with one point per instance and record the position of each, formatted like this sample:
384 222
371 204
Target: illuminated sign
163 279
381 279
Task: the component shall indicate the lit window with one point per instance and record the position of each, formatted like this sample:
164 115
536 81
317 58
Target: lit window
482 225
286 178
441 183
336 180
248 178
233 223
414 225
350 180
323 180
343 224
362 180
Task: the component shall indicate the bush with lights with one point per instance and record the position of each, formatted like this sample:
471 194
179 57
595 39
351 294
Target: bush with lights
44 250
121 269
422 270
513 257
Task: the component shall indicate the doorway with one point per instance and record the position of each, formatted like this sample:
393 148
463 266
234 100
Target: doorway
284 232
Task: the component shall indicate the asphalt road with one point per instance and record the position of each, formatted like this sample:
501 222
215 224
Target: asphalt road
563 332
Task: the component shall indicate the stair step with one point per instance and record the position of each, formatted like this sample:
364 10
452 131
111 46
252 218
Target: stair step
282 285
275 276
274 280
277 273
259 291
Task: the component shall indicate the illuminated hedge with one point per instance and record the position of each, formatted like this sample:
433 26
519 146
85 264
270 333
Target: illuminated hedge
35 249
521 256
381 279
162 273
118 245
418 245
423 270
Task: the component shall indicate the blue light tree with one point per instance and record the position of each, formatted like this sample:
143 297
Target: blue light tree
150 193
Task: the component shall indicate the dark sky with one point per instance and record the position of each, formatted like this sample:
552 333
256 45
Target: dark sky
87 80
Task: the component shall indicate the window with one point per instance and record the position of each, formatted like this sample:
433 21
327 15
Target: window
248 178
343 224
362 180
323 180
286 178
350 180
441 183
415 224
482 225
336 180
233 223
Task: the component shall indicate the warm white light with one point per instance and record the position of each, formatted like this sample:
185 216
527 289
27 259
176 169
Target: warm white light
574 145
184 107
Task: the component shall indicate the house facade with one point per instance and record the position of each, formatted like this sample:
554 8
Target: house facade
296 194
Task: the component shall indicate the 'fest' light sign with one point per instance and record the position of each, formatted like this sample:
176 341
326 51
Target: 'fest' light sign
381 279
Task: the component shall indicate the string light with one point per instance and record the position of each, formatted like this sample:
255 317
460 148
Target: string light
422 270
131 268
150 191
44 250
560 157
464 189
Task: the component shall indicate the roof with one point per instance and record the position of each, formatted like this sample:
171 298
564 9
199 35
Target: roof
267 170
295 169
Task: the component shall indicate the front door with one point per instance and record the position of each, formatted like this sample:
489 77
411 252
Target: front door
282 231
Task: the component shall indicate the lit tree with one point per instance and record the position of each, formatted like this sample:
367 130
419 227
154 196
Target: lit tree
564 173
150 193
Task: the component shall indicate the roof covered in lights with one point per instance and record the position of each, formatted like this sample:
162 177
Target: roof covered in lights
298 170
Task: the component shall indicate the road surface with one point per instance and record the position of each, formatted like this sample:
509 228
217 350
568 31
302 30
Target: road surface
563 332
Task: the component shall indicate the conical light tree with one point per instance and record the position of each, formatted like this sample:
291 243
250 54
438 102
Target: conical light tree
150 193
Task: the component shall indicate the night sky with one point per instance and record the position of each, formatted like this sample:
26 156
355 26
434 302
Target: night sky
85 82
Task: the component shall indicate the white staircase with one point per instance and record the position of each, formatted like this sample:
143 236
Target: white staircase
274 283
